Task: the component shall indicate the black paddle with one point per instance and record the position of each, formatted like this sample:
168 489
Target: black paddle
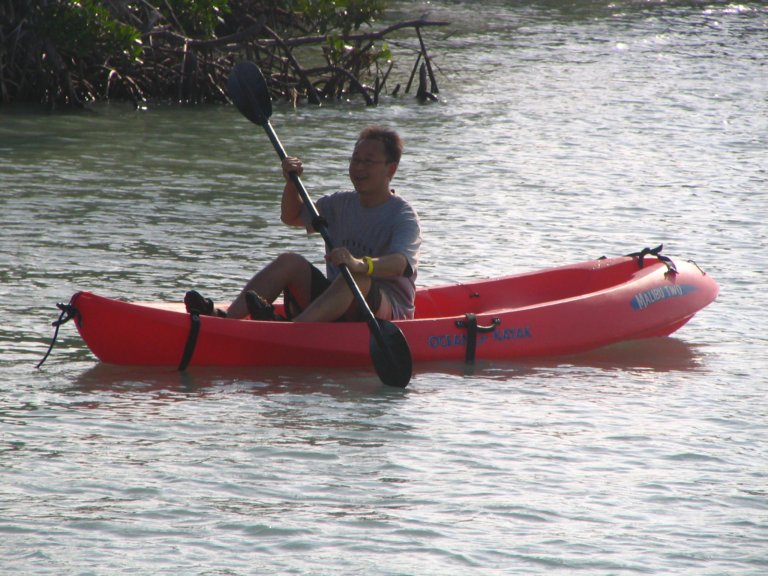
389 349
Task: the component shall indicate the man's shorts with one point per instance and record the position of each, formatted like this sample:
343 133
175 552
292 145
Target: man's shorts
378 303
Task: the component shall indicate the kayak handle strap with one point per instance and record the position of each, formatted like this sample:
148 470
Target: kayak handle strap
68 311
666 260
189 347
473 329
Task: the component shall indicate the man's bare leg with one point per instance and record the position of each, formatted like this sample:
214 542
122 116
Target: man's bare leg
334 302
288 270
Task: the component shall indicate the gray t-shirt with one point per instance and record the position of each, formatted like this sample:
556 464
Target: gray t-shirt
392 227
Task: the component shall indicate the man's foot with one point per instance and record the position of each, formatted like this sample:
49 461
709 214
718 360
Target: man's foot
259 308
196 304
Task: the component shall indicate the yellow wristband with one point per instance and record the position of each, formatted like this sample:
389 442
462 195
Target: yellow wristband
368 260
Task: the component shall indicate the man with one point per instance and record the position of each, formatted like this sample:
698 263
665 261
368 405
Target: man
376 234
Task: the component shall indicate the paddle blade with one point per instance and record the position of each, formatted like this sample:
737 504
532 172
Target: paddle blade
248 89
392 357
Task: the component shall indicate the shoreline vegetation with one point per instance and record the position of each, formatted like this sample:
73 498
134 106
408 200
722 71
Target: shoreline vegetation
67 53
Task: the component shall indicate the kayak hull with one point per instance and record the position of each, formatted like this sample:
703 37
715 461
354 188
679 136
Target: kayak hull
556 311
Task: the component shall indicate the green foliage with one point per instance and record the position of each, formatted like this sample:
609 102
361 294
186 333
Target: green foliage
338 52
85 28
197 18
341 15
384 54
67 52
337 18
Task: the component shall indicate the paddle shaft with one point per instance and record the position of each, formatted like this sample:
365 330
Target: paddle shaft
323 230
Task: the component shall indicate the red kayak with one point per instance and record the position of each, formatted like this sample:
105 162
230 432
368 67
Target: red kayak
555 311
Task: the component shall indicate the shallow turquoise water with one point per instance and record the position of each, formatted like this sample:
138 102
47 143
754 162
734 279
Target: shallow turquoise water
565 131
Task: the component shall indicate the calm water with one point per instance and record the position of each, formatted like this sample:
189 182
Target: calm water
564 131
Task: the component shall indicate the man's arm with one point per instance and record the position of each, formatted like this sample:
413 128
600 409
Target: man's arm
384 266
291 203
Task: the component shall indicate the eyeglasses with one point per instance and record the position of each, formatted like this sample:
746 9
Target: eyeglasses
366 163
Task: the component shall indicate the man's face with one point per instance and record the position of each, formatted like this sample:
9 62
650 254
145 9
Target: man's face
369 169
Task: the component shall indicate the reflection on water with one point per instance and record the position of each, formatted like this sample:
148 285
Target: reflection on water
653 354
199 380
666 354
